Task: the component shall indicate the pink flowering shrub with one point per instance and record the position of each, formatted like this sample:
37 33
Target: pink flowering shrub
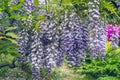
110 30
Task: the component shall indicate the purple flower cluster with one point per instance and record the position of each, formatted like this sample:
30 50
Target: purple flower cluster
97 33
29 6
74 39
118 2
47 46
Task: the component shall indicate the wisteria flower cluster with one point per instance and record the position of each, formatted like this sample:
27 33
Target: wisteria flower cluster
47 46
97 34
74 39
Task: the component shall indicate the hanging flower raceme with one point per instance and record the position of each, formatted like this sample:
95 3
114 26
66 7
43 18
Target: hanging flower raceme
118 3
73 39
24 43
25 34
97 33
45 48
85 35
13 2
29 6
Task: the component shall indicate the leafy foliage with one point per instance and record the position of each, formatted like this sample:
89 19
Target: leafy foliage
7 47
109 11
110 67
108 78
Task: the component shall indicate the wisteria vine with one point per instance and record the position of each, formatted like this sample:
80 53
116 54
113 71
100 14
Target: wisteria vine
74 39
97 32
47 46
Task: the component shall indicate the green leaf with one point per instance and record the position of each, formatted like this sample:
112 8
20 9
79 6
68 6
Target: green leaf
40 17
54 1
36 3
14 7
10 29
15 16
107 5
11 34
37 26
22 1
8 47
1 9
67 2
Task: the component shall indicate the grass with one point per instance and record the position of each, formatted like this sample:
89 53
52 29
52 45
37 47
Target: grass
68 74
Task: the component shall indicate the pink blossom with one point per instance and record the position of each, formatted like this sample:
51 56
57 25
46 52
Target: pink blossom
112 30
119 31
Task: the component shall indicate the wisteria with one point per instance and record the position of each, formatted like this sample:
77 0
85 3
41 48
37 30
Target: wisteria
73 40
118 2
13 2
41 36
24 43
47 46
44 47
97 33
29 6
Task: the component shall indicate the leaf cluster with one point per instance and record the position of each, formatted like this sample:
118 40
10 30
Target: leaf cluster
7 47
100 69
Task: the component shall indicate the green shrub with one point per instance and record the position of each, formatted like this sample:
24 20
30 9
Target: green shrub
107 78
98 68
8 47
